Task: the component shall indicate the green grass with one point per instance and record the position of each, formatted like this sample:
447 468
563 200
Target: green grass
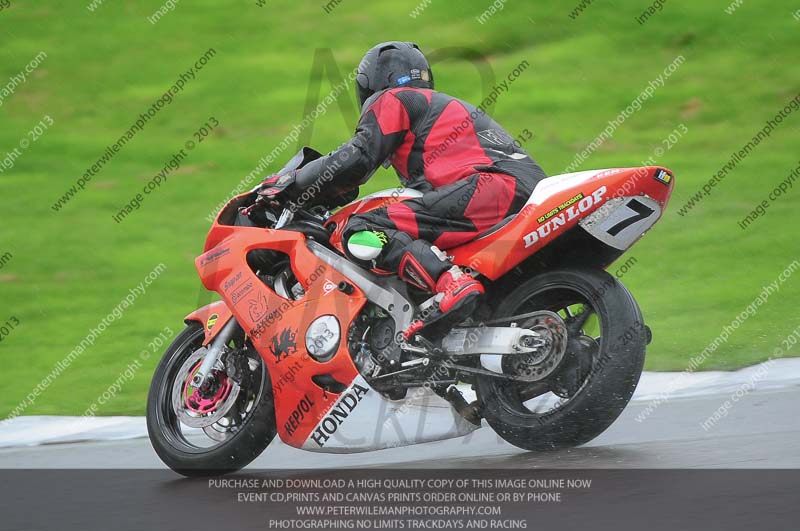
69 269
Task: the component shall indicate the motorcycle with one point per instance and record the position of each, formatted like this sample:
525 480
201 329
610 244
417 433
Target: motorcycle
307 345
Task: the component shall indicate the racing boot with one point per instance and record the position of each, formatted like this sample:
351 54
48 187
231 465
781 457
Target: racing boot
424 266
456 295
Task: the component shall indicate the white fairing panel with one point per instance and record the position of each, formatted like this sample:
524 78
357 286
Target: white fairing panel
363 420
622 220
556 183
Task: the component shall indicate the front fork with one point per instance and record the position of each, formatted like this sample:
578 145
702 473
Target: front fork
214 352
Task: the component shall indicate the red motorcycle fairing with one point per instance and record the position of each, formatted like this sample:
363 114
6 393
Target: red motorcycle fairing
277 326
212 317
557 204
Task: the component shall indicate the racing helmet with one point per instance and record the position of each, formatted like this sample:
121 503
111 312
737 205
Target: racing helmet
392 64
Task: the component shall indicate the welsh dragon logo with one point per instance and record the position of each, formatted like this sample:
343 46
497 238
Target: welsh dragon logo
283 345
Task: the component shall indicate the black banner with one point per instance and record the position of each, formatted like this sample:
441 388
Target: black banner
333 500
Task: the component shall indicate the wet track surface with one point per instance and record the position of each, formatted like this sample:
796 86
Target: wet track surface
761 430
682 483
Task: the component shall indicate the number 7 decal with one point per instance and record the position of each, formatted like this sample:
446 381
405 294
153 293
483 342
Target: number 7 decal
641 210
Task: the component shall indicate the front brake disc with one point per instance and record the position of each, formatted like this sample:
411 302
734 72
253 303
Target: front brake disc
193 419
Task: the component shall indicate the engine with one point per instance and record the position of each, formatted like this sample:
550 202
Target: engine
376 354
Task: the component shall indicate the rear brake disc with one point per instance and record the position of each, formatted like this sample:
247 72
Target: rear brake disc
538 365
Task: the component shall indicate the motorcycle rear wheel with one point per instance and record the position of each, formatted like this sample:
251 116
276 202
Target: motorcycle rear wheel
597 376
219 448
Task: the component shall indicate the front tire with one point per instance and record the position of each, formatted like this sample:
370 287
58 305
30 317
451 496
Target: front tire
223 447
597 375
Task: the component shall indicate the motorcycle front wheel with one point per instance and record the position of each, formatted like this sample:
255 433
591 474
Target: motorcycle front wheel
222 426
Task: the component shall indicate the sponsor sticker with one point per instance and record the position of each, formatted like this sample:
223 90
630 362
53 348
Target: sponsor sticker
570 213
338 413
328 287
213 255
270 318
663 176
231 282
241 292
257 307
212 320
563 206
299 413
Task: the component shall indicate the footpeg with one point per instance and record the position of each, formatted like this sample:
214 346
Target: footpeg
412 330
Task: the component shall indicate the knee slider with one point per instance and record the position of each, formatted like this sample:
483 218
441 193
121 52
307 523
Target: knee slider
366 244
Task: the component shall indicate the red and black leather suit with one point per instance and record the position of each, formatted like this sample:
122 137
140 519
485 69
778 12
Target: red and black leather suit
470 170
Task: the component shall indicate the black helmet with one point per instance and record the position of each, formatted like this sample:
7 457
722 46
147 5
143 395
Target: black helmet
392 64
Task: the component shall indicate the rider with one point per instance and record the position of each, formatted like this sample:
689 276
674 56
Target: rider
471 173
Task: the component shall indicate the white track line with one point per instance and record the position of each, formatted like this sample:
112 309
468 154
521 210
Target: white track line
775 374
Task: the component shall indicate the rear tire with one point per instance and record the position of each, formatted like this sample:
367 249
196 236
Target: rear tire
610 378
163 427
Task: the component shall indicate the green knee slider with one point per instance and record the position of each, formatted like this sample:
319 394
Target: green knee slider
366 244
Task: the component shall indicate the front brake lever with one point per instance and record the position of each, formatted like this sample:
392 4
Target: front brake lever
259 208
